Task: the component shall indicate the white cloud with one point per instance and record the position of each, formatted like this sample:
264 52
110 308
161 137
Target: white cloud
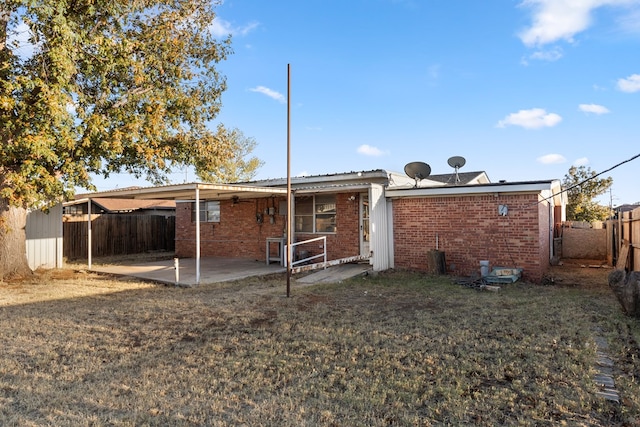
534 118
630 84
593 108
548 159
368 150
555 20
582 161
222 28
270 93
549 55
630 21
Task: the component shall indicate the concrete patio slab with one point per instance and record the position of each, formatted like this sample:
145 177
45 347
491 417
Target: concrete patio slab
335 274
216 270
212 270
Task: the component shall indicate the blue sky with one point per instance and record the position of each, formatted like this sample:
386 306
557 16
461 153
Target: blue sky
521 89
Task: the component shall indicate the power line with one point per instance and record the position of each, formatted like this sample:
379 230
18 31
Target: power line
590 178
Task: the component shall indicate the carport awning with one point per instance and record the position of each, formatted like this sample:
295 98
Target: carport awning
192 191
188 191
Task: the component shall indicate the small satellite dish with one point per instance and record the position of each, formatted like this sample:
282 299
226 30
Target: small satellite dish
417 170
456 162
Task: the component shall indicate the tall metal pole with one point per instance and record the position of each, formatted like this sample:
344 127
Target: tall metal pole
89 242
288 251
197 235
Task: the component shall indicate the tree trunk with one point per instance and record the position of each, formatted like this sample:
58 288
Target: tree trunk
13 241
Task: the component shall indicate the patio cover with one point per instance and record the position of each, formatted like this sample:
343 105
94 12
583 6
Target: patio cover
191 191
188 192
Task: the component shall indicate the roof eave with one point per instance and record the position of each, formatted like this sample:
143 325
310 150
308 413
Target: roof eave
474 189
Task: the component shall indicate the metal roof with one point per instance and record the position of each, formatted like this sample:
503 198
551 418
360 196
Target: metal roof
187 192
126 204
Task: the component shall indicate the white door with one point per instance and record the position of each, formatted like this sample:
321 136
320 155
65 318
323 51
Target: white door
364 225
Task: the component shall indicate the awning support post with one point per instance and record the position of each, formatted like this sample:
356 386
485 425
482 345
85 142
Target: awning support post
89 244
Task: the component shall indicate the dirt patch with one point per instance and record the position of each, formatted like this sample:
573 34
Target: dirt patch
584 273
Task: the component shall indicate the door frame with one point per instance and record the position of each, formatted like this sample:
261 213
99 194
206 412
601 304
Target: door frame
364 221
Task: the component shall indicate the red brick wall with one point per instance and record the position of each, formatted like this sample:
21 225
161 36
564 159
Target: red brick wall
345 242
468 229
238 234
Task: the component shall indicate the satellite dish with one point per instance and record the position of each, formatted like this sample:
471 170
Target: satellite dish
456 162
417 170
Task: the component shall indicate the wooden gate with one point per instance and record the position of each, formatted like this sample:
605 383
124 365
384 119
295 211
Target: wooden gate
628 240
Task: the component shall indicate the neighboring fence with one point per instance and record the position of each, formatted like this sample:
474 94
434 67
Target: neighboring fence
118 234
44 238
584 241
616 240
628 240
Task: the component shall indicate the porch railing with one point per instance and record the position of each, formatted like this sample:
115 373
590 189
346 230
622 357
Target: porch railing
322 255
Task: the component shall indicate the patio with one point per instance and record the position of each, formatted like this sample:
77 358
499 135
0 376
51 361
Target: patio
215 270
212 270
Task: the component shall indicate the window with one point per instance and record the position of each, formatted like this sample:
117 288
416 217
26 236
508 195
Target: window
315 214
209 211
74 209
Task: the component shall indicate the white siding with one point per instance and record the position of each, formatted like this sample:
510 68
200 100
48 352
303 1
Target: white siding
379 228
44 238
391 242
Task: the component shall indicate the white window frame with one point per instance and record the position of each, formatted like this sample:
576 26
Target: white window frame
315 215
209 211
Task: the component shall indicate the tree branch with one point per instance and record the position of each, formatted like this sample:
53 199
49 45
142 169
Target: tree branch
132 92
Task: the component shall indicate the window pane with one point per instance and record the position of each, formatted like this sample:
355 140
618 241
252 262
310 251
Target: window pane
304 223
213 211
325 223
304 205
325 204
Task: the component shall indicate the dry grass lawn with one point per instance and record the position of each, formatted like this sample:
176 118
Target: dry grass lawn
79 349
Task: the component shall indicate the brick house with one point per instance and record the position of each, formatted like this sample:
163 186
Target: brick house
507 224
383 216
344 208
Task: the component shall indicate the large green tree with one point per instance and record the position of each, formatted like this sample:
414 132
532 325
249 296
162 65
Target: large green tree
111 86
238 168
583 186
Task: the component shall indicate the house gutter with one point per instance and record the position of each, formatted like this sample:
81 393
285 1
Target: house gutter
333 189
476 189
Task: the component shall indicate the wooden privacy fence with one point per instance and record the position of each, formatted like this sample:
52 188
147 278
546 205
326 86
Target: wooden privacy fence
118 234
628 240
